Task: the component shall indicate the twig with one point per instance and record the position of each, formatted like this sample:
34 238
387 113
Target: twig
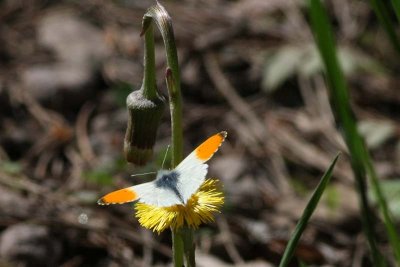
75 180
228 241
82 134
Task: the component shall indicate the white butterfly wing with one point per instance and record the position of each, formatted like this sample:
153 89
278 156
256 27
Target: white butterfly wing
193 170
191 176
150 194
205 151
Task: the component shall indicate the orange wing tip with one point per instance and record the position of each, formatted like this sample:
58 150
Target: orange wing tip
205 151
118 197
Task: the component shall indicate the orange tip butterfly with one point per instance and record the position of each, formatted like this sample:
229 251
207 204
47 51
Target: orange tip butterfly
171 187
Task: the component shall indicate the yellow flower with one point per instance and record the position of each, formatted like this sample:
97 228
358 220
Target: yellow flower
199 209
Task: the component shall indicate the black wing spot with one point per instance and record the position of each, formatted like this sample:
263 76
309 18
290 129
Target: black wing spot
169 181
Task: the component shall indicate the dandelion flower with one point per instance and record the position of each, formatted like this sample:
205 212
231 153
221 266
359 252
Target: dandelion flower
199 209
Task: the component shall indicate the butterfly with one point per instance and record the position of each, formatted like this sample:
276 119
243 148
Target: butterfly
171 187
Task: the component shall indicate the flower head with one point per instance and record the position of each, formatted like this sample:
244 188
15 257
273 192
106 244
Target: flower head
198 209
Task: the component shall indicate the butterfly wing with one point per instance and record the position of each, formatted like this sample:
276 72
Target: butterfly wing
154 195
204 151
193 170
147 193
190 179
125 195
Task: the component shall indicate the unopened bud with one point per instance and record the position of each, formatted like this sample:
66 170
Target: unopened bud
144 118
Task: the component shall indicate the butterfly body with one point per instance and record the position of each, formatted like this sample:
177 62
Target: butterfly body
171 187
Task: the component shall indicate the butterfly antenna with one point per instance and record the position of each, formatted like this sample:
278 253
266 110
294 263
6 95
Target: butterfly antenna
142 173
165 157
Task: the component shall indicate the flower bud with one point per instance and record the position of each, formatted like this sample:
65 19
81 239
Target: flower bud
144 118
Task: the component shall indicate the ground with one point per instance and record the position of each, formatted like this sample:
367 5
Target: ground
247 67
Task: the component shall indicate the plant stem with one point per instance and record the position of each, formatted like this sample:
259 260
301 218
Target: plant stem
396 7
341 106
189 246
175 105
183 242
389 224
164 24
178 237
177 247
149 79
305 217
382 12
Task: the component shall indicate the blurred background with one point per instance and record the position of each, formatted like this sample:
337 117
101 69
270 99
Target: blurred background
249 67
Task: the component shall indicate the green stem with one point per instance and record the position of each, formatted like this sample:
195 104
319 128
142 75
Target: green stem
189 246
164 24
345 118
176 146
149 78
183 243
396 7
383 14
389 224
178 247
175 106
307 213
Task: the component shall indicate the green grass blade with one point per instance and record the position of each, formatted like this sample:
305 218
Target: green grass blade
383 15
345 118
396 7
308 211
383 206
